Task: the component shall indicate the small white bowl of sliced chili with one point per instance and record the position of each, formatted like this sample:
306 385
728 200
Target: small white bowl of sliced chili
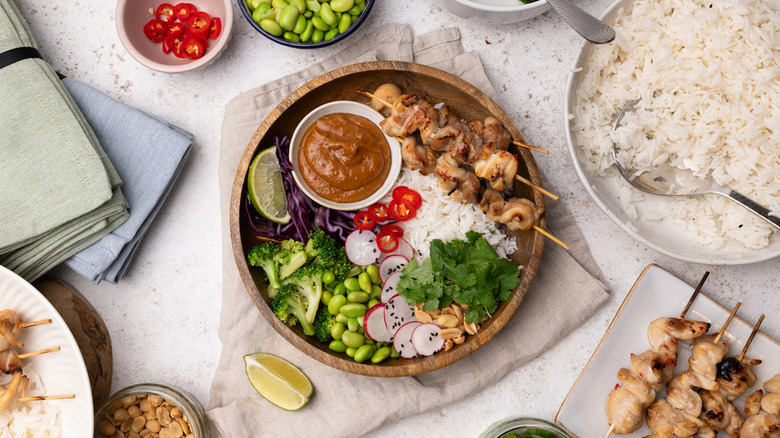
342 159
174 37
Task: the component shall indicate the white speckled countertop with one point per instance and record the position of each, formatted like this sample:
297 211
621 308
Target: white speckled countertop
163 316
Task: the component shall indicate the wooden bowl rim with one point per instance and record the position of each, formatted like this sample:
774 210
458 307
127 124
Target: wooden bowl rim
407 367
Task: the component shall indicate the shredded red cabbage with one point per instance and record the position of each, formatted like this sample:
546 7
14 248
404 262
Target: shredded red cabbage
306 214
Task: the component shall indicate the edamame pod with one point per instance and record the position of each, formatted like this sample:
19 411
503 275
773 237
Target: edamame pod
337 346
341 318
336 303
364 353
364 281
352 284
351 351
351 310
305 37
318 35
380 354
373 273
331 33
357 297
352 339
327 15
319 24
300 26
271 27
341 5
352 324
340 289
337 330
288 18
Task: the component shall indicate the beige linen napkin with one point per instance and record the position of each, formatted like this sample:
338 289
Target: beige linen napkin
564 294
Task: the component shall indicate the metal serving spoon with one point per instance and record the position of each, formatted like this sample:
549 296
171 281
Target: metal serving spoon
588 26
666 180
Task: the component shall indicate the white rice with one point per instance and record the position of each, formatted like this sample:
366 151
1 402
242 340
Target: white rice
708 76
441 217
38 419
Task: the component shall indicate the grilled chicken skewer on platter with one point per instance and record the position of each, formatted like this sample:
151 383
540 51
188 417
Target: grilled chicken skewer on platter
652 370
677 415
11 326
763 410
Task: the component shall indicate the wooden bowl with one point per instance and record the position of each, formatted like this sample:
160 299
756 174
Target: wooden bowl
437 86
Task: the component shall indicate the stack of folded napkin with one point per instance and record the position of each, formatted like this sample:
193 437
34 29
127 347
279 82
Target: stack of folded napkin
59 188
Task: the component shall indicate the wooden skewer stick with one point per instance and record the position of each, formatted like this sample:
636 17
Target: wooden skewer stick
530 184
726 324
39 352
45 397
550 236
382 101
34 323
528 146
695 293
750 339
611 429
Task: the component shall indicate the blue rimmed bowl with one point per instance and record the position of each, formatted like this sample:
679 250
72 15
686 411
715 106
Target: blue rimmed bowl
245 9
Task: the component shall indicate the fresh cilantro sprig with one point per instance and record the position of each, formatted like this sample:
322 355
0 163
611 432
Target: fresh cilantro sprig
470 272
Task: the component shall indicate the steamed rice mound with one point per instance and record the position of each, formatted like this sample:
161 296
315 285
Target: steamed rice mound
708 76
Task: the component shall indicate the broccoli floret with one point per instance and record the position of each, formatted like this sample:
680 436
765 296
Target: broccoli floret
324 250
288 305
278 261
308 281
266 256
323 322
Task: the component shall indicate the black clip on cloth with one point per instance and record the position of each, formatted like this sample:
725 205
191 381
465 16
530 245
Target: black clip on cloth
18 54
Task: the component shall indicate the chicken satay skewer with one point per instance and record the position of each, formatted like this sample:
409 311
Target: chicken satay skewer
34 323
515 142
682 315
39 352
532 185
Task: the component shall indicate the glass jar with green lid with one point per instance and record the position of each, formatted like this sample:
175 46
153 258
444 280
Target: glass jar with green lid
524 427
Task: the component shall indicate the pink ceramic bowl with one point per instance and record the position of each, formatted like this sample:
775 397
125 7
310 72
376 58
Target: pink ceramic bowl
132 15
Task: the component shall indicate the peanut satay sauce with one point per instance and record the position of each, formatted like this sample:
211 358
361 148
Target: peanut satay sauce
344 157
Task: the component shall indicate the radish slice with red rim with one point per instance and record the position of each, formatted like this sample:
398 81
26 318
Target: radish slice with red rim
361 247
397 313
374 324
403 340
389 287
426 339
391 265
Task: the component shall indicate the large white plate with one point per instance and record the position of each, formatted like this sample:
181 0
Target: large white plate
608 192
657 293
61 372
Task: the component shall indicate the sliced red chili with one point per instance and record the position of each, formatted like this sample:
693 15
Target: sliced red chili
403 192
176 48
164 13
387 241
395 229
402 210
183 11
215 28
379 211
174 30
199 25
193 48
159 26
363 220
151 34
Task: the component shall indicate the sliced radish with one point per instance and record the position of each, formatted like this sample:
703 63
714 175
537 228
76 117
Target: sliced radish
374 324
361 247
397 313
389 287
404 249
391 265
403 340
426 340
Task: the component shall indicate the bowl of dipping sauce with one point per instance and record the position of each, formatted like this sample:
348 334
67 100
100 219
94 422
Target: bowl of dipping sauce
341 158
524 427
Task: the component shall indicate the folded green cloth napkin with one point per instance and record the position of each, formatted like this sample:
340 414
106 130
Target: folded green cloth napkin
58 192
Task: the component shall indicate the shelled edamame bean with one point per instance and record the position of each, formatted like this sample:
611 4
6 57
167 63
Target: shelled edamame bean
348 303
306 21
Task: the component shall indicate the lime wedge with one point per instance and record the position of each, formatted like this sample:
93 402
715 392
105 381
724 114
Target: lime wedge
279 381
265 187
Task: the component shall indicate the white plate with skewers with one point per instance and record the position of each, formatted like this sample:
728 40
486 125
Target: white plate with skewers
53 374
657 293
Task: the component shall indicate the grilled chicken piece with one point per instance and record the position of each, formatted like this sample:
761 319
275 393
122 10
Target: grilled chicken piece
734 377
416 156
9 361
497 167
459 183
10 326
626 404
407 117
668 422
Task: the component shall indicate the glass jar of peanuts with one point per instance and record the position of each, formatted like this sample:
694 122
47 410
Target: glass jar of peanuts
151 410
524 427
